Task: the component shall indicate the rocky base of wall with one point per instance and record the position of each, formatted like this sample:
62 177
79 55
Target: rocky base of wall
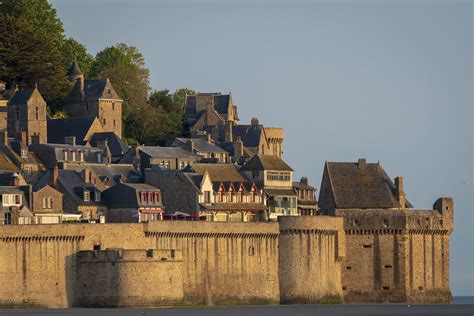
311 300
430 297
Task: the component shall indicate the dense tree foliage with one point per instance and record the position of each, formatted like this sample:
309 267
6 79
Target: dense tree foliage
29 57
73 50
34 50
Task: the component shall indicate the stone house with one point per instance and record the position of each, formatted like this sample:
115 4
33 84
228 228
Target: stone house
70 153
393 250
111 142
211 113
307 204
15 208
27 113
94 98
276 178
47 205
215 192
171 158
81 194
203 148
133 203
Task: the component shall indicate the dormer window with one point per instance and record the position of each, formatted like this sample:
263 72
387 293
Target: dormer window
150 197
24 153
73 155
97 196
87 196
157 197
99 157
81 156
65 155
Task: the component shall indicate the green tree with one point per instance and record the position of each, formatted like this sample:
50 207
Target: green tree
73 50
29 57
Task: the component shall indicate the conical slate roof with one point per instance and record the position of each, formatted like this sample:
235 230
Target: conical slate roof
74 70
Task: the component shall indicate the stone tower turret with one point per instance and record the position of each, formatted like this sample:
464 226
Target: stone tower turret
75 75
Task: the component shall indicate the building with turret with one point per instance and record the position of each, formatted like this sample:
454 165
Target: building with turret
94 98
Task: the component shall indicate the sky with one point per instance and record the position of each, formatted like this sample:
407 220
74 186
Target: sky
387 81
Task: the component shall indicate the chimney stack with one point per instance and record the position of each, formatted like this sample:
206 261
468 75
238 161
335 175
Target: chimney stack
23 138
238 148
399 191
254 121
54 176
304 180
362 162
86 175
70 140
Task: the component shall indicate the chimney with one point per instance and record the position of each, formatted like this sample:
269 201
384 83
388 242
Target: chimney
35 140
254 121
399 191
54 176
70 140
86 175
190 145
209 138
361 163
23 138
304 180
238 148
15 180
228 131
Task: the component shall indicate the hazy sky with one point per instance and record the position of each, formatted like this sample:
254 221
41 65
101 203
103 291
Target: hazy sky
389 81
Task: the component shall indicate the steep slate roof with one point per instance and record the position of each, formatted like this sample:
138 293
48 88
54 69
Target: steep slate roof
167 152
200 145
113 172
60 128
114 142
361 187
5 162
249 134
93 90
21 96
74 69
265 162
217 172
126 195
221 103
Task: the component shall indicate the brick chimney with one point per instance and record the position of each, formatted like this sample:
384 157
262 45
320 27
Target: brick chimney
362 162
238 148
228 131
190 145
70 140
23 138
86 175
254 121
54 176
304 180
399 191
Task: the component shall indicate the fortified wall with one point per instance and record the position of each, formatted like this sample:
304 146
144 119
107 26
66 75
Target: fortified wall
299 259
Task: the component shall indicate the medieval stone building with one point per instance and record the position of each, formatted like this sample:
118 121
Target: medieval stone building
394 252
94 98
27 116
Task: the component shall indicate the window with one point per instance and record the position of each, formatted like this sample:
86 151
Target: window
157 197
113 109
240 197
207 197
103 122
73 155
367 246
97 196
28 170
48 203
114 123
181 165
87 196
143 197
253 196
150 197
99 157
81 156
149 253
385 223
11 199
65 155
37 113
24 153
221 196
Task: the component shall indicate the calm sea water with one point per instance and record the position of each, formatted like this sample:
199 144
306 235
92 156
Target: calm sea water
463 305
